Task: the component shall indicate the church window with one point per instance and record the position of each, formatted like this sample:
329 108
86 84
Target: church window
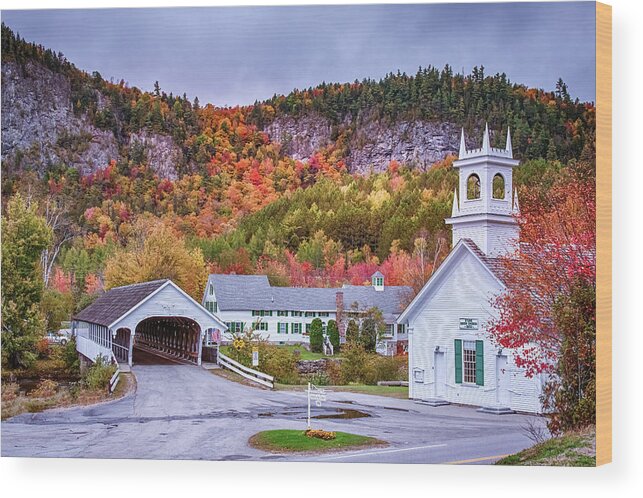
469 361
473 187
498 186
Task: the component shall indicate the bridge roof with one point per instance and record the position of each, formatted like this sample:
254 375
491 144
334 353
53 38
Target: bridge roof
117 301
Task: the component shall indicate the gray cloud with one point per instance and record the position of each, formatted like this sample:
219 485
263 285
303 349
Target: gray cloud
233 56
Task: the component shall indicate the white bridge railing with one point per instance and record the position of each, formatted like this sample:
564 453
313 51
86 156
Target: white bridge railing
92 350
248 373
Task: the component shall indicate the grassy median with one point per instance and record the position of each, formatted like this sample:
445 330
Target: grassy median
296 441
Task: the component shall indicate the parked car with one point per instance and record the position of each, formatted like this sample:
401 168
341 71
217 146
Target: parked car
56 338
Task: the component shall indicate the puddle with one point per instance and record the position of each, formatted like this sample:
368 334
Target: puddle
343 413
318 413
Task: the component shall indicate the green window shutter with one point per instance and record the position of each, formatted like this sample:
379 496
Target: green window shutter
480 363
286 328
278 327
458 361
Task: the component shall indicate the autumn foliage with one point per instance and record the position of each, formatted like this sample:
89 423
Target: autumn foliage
158 253
557 250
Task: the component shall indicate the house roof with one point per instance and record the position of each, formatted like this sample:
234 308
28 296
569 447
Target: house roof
493 266
254 292
117 301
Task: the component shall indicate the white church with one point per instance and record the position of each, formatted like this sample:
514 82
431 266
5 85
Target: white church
451 356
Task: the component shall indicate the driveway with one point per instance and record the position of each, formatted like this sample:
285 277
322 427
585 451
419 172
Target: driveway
185 412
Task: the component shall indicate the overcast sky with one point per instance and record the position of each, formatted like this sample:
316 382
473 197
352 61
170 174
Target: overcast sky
233 55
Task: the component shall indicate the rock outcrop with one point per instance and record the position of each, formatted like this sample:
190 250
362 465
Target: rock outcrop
372 145
40 128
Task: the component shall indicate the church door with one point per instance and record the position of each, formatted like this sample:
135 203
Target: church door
440 374
502 381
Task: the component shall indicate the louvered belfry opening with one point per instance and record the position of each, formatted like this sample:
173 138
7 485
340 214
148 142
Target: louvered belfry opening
176 337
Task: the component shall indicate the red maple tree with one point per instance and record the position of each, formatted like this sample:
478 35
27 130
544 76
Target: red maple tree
556 251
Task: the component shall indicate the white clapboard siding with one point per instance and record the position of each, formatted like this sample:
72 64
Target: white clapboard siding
464 292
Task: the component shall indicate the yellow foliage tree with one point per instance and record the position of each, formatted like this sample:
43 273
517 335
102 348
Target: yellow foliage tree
159 252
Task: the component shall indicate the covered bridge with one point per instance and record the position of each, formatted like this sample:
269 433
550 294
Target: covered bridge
156 316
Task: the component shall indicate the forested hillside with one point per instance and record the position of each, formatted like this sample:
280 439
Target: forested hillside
123 176
418 115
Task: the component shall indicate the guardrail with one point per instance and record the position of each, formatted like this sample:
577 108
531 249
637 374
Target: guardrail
92 350
113 382
247 373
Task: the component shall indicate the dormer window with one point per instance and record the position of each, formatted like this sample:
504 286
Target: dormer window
473 187
377 279
498 186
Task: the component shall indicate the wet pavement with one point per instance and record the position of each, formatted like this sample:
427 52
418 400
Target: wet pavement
182 411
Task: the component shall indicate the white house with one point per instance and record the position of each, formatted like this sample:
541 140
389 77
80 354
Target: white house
284 314
451 356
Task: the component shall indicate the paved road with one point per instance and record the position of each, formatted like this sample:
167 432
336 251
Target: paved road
185 412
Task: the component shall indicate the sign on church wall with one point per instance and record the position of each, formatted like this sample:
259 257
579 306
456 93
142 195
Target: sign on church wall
468 324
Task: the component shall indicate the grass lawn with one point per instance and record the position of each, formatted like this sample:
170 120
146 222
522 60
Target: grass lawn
304 354
401 392
576 449
295 441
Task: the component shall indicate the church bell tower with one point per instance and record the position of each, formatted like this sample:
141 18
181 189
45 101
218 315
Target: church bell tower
486 208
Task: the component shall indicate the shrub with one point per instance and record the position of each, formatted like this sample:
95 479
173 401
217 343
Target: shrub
278 362
353 368
316 336
99 374
43 348
381 368
319 379
70 357
45 389
360 366
320 434
334 372
333 335
10 391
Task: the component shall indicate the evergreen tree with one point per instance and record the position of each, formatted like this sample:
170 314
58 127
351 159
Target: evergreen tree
333 335
352 332
316 336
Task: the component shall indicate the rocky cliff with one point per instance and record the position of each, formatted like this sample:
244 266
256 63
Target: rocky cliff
371 144
40 128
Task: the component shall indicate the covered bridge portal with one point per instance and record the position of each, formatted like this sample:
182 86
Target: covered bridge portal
157 317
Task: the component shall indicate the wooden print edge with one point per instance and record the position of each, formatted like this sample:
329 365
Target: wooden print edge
604 233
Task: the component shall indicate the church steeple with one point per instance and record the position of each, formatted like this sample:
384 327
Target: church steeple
484 208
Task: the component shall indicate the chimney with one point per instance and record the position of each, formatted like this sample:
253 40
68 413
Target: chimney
339 318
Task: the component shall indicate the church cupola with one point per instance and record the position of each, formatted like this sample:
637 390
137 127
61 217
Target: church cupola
377 280
483 205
